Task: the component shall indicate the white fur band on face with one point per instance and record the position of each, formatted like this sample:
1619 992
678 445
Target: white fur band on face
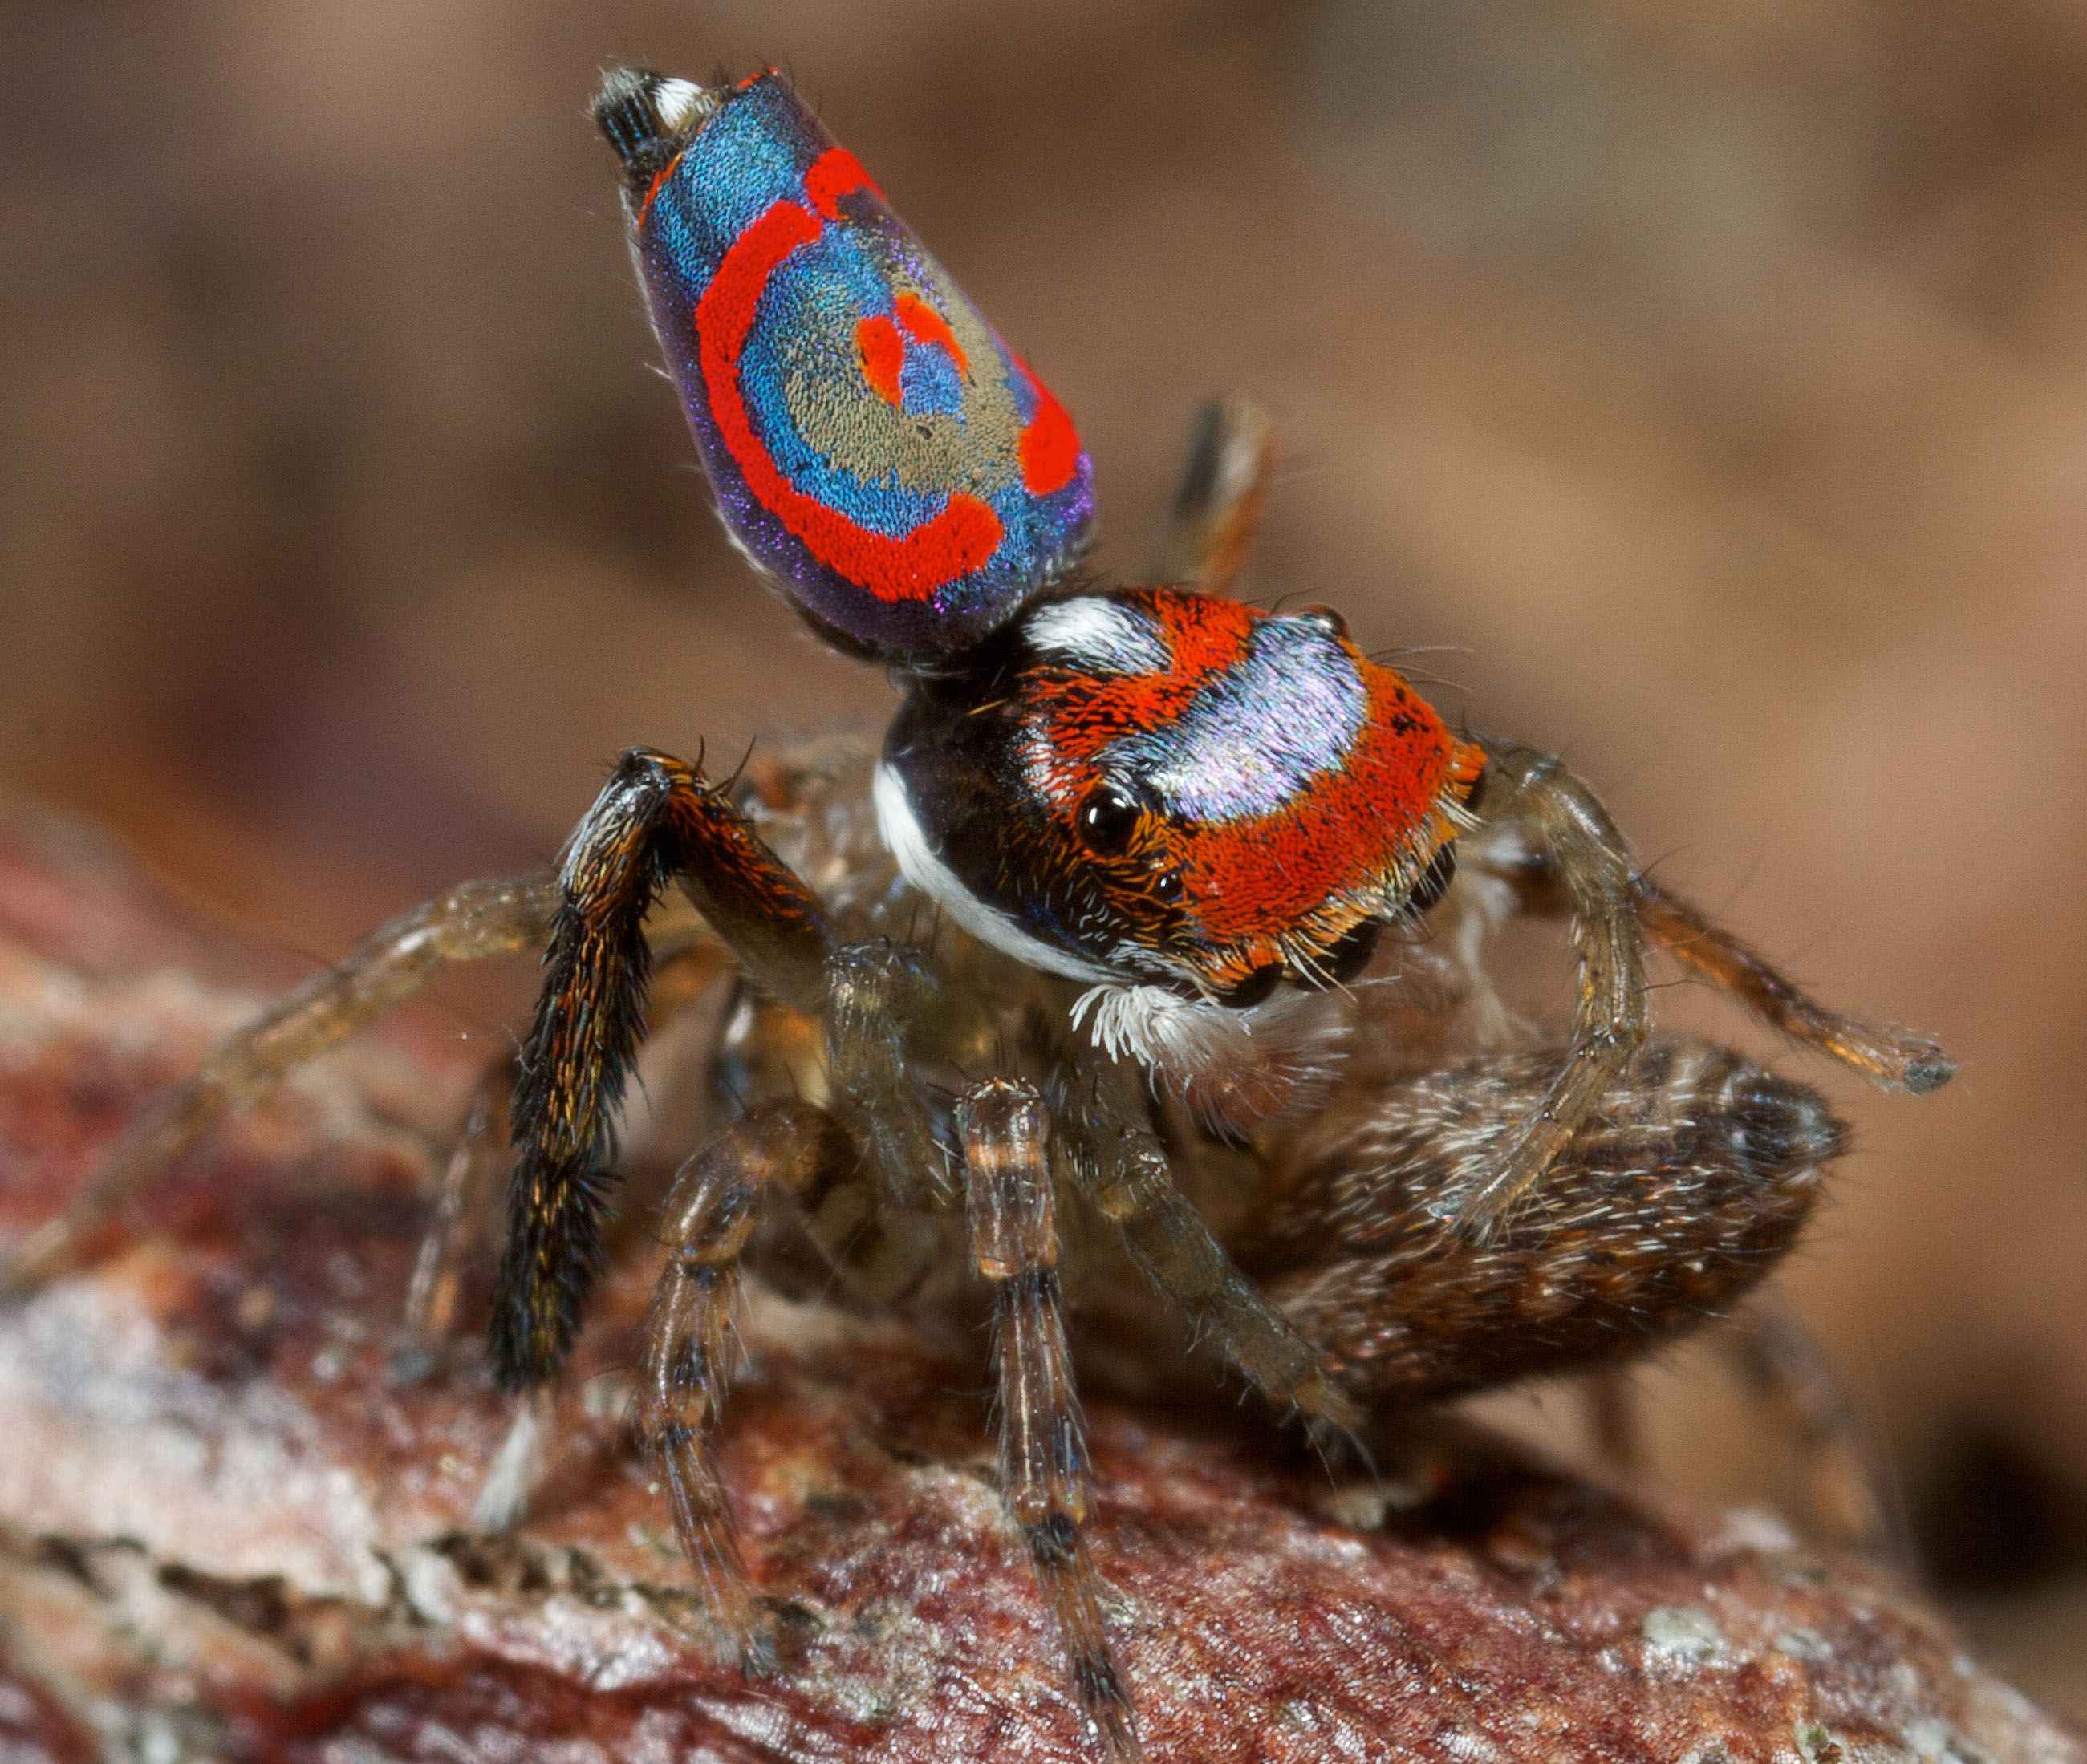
907 842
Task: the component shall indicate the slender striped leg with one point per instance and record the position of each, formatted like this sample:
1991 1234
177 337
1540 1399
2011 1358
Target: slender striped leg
1218 507
656 821
1126 1171
689 1348
1045 1477
1783 1368
457 1227
1592 863
471 923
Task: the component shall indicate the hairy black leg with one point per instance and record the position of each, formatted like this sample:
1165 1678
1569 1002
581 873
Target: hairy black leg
471 923
690 1347
1218 507
686 961
1667 1205
1045 1477
1125 1170
1892 1059
1593 866
1783 1369
655 820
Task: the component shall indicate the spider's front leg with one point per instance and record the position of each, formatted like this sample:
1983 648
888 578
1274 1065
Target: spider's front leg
1592 864
1046 1480
709 1218
1568 847
1126 1171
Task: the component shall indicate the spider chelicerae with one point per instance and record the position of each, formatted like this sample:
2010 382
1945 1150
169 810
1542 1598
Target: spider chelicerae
1158 918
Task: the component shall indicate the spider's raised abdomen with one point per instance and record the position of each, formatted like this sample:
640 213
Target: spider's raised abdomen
874 445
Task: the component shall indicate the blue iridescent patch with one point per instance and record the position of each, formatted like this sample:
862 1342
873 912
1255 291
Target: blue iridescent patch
873 443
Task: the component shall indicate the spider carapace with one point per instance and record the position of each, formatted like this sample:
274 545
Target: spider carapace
1163 836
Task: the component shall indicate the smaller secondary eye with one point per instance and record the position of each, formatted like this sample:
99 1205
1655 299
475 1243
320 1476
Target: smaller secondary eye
1107 819
1167 886
1325 618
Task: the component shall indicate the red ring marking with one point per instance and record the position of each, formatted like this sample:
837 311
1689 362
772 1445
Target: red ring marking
956 541
833 174
1050 445
924 324
882 353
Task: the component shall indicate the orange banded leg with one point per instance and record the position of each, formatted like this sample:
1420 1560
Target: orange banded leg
1592 864
656 821
471 923
689 1348
1217 509
1045 1477
1892 1059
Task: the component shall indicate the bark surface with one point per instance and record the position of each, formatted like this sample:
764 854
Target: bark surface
230 1529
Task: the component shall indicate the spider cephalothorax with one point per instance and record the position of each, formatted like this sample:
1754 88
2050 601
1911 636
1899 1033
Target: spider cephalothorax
1140 813
1161 787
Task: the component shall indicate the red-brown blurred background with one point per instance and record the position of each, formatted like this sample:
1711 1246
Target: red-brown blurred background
1711 382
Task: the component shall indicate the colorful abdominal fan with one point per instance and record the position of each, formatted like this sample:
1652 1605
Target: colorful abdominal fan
874 445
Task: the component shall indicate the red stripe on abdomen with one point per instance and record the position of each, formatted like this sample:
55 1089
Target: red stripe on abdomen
954 543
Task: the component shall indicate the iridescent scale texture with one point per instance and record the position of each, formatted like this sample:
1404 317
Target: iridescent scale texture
874 444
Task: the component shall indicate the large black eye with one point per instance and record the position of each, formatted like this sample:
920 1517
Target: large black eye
1434 881
1254 988
1106 819
1347 958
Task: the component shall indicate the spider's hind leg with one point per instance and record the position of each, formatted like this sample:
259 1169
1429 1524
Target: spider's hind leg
471 923
1783 1369
1217 509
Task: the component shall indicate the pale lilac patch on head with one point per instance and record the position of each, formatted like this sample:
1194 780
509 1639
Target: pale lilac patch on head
1288 712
